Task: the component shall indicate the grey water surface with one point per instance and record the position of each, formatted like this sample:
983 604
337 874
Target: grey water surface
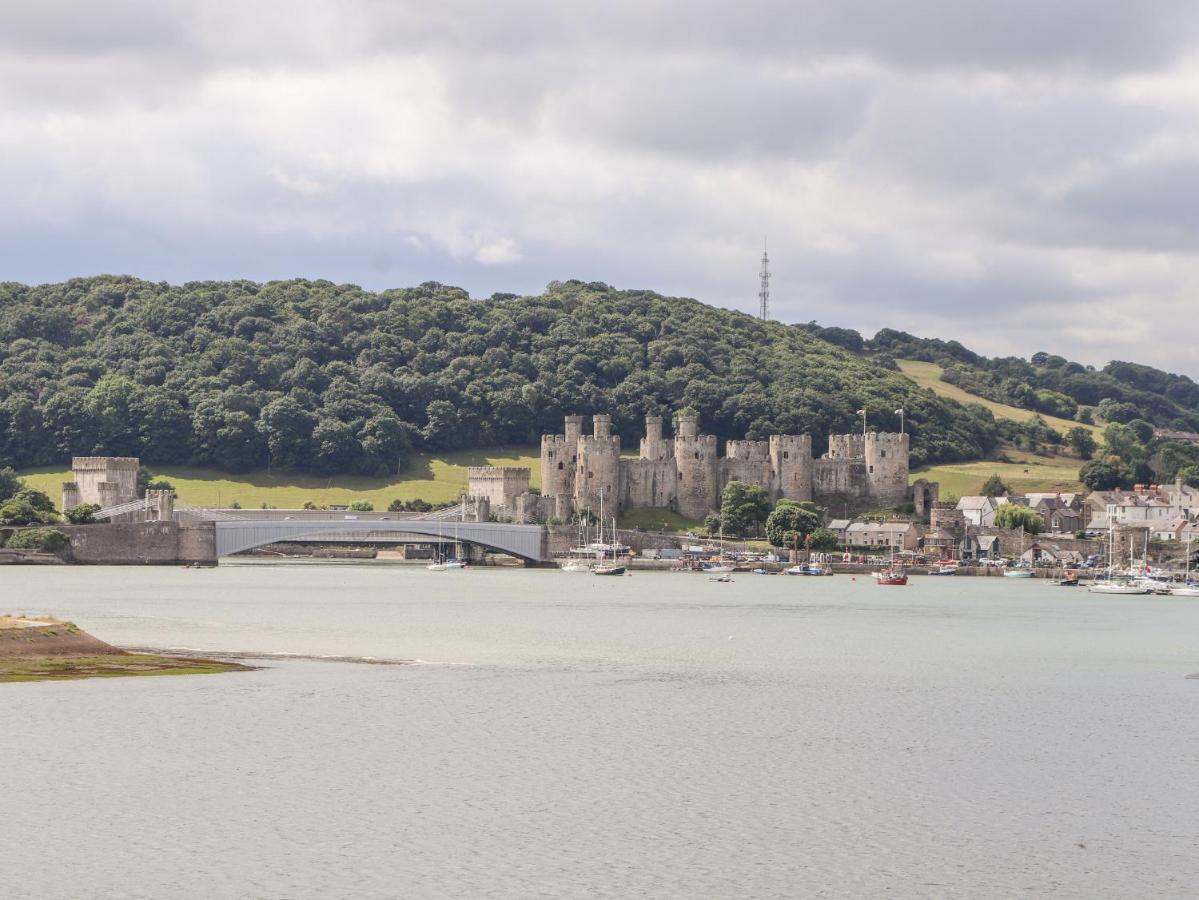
562 735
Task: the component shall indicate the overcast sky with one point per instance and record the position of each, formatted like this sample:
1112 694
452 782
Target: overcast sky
1020 175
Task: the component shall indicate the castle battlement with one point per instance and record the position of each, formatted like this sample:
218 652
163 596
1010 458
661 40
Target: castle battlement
105 464
503 473
753 450
705 443
593 444
846 446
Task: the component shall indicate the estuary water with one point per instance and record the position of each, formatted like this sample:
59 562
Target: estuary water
557 735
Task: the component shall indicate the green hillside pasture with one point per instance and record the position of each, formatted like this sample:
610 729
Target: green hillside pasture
436 478
928 375
1027 473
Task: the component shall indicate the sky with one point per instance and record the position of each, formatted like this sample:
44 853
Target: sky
1019 176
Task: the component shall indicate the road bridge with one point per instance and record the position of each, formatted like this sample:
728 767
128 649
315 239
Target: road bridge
234 535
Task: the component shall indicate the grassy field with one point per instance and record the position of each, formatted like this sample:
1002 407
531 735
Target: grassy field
434 478
1026 472
655 519
928 375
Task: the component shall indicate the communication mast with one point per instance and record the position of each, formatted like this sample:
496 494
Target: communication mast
764 290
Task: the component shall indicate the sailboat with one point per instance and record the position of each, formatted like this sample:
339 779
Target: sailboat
455 561
1115 584
720 567
601 567
1021 569
1187 589
576 562
891 574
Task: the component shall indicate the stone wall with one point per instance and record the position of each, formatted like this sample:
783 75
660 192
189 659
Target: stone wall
648 483
836 476
142 543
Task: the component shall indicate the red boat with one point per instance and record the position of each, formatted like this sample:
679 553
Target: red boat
891 576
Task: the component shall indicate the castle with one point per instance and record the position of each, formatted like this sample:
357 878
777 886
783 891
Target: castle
684 473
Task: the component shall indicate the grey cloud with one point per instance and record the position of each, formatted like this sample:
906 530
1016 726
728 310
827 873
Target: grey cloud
953 167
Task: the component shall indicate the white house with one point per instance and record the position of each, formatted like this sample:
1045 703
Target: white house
979 510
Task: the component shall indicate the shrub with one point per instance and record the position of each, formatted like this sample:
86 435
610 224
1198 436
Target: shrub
49 540
362 506
83 514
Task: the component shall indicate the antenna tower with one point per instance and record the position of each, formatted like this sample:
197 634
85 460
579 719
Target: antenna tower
764 290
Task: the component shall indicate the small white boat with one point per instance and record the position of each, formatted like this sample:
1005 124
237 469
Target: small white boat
576 565
1018 572
1117 586
723 579
1185 590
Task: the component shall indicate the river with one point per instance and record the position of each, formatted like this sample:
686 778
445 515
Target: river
560 735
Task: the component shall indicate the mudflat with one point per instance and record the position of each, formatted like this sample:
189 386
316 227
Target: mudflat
46 649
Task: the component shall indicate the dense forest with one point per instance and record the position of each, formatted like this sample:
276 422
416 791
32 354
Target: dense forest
335 379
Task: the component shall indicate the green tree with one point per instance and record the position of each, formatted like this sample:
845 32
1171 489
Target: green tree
995 487
1081 441
1011 516
713 524
743 507
1105 474
287 428
791 519
362 506
83 514
10 483
27 507
1121 441
822 540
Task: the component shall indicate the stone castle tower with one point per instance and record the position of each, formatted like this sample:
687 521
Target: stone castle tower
104 481
686 474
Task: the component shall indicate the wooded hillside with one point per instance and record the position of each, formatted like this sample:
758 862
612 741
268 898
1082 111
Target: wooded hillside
335 379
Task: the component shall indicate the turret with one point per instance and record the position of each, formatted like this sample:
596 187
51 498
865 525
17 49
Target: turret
698 486
559 459
598 468
791 461
653 445
886 457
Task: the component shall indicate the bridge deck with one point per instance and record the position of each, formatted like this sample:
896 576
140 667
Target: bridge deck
525 541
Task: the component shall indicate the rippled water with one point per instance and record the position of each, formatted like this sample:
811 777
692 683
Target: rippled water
568 736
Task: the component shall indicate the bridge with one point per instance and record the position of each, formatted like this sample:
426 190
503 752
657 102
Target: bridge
233 535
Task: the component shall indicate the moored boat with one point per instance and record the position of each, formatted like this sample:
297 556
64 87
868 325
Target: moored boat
1118 585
